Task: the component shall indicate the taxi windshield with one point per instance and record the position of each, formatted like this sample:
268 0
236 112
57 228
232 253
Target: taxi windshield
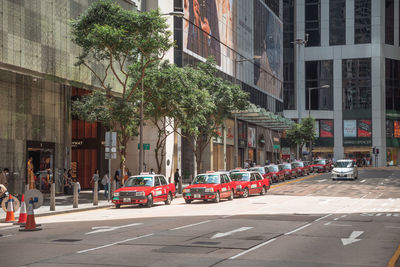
258 169
139 181
273 168
343 164
286 166
298 164
240 177
206 179
319 161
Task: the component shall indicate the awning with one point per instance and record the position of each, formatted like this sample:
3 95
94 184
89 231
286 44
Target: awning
357 149
261 117
323 149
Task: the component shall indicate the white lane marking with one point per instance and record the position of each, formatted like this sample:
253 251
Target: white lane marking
297 229
115 243
336 224
5 236
10 227
328 223
189 225
336 219
352 238
363 181
320 181
393 227
241 229
251 249
317 220
101 229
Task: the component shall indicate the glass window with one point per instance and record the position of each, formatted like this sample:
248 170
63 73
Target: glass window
313 24
240 177
163 181
139 181
157 181
356 79
392 82
389 22
253 177
337 22
362 21
206 179
319 73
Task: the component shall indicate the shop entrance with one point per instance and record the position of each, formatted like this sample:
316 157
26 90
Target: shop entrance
40 165
362 155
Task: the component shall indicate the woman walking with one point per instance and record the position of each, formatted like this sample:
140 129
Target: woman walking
95 178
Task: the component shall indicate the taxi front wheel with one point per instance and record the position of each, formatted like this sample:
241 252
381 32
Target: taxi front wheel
245 192
263 191
149 201
217 198
117 206
169 199
188 201
231 196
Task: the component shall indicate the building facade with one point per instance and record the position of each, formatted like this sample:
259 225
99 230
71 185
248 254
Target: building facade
341 62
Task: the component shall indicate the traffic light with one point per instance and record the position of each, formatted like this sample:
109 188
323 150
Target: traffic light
373 150
377 151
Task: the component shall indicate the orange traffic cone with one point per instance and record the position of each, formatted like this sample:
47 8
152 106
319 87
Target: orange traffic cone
30 221
10 210
22 212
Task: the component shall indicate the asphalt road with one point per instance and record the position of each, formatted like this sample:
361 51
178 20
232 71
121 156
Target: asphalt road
312 221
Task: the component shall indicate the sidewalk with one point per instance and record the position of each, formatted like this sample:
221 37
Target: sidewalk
64 204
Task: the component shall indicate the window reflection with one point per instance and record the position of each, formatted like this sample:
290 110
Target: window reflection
362 21
319 73
337 22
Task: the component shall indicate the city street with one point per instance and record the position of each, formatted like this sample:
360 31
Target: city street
310 221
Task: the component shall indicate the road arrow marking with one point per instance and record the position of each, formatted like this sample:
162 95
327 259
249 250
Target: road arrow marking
101 229
320 181
241 229
352 238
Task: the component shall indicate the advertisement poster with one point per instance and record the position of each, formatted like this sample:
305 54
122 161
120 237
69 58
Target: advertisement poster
349 128
364 128
230 132
251 135
396 129
317 128
389 128
326 128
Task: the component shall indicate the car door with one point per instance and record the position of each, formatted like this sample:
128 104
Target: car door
260 181
164 186
157 195
224 186
253 183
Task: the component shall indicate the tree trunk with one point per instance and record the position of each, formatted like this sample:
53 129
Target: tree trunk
122 153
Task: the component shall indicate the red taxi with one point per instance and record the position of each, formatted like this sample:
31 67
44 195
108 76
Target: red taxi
302 167
144 189
297 168
249 182
321 165
209 186
288 170
264 171
275 173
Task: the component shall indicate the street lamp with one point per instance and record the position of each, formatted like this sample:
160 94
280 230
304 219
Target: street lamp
141 155
309 106
309 95
236 127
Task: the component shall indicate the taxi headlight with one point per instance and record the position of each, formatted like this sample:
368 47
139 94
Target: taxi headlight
140 194
186 190
116 194
238 186
209 190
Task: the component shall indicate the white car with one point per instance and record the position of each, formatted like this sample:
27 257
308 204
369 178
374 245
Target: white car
345 169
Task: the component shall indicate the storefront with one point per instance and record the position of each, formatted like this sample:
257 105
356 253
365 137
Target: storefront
40 165
393 142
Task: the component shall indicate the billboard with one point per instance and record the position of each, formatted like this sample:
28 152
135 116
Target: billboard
251 137
396 128
326 128
364 128
316 128
349 128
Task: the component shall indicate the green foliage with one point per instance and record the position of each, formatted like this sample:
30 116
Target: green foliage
302 133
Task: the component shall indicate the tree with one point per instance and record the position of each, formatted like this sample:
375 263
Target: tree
225 97
112 41
302 133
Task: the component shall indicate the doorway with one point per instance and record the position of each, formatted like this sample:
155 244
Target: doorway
40 165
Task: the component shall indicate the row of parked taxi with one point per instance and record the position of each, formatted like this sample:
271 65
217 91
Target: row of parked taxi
147 189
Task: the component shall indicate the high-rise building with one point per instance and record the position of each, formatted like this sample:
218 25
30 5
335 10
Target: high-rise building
341 66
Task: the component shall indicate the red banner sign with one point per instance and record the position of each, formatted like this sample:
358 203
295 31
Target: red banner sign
364 128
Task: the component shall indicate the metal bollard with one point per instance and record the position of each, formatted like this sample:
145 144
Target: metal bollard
53 197
180 185
75 201
96 194
113 187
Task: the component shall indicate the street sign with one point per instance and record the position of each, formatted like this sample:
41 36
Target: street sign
36 196
112 155
16 204
145 146
111 141
276 146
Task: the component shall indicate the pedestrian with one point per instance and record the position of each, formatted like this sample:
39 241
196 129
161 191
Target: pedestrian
68 183
77 184
176 178
105 181
4 177
96 178
246 164
151 171
117 179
